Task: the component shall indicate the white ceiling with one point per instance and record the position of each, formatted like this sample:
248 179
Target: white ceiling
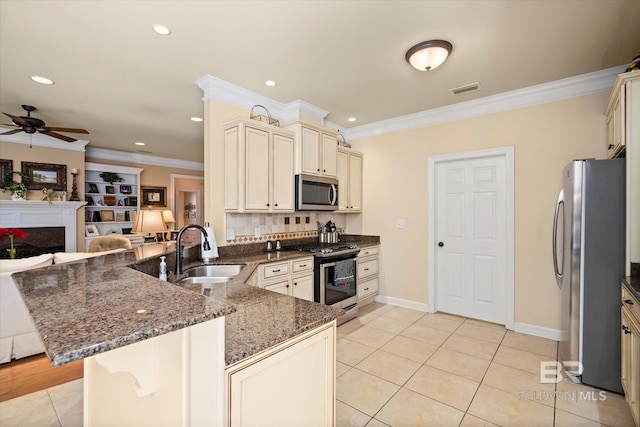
122 82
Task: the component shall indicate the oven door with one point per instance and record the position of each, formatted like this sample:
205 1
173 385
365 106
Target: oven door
338 283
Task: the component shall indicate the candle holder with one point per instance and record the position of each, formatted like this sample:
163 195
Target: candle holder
74 188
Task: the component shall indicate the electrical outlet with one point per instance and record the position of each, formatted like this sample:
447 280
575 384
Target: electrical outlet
231 234
400 223
256 232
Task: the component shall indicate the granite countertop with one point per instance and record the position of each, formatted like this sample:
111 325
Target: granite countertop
84 308
632 283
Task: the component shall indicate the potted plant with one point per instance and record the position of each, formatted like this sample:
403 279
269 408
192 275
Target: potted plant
12 233
18 189
110 177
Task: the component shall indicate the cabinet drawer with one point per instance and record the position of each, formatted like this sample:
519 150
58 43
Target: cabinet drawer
275 270
304 264
367 288
631 303
370 251
367 268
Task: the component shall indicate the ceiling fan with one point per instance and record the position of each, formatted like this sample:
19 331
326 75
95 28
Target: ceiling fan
32 125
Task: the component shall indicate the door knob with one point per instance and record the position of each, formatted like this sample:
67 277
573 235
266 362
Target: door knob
441 244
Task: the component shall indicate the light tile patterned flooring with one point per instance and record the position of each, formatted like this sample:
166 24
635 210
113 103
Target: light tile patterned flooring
400 367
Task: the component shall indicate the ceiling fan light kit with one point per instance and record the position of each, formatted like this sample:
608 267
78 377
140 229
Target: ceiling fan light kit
429 55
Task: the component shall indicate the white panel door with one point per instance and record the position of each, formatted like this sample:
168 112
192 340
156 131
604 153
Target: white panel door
471 238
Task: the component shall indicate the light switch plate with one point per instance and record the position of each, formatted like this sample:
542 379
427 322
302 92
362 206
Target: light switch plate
400 223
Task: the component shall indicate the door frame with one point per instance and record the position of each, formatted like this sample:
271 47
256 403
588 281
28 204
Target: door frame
434 161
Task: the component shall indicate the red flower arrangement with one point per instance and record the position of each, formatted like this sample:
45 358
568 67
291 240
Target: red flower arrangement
12 233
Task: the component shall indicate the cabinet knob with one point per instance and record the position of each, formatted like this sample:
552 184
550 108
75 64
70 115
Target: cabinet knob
275 204
295 283
287 286
318 170
441 244
267 204
324 170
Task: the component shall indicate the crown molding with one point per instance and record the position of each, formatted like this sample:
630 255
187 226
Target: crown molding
572 87
125 156
40 140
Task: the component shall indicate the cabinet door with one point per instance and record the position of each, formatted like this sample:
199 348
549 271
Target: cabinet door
279 287
303 287
329 154
283 174
310 151
256 170
342 173
355 182
231 169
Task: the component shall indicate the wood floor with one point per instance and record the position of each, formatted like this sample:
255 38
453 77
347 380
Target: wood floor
34 373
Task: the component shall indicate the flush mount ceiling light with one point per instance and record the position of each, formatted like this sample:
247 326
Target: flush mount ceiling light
161 29
270 83
42 80
196 119
428 55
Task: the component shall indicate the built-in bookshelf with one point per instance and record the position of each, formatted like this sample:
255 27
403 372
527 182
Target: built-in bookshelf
111 206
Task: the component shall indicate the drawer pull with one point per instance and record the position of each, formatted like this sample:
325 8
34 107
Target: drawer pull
626 329
276 271
366 289
366 269
628 301
302 265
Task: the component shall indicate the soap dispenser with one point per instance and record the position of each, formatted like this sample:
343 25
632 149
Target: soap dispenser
163 269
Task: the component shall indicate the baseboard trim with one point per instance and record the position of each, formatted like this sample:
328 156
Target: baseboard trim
401 303
539 331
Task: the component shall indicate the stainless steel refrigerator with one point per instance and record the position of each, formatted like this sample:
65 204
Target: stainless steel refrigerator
589 256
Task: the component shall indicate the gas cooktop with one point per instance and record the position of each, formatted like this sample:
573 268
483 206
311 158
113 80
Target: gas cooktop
326 249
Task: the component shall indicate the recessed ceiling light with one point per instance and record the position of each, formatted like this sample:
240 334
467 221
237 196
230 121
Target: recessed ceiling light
139 143
352 119
270 83
196 119
161 29
42 80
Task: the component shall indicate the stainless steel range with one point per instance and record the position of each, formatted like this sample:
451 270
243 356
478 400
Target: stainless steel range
334 275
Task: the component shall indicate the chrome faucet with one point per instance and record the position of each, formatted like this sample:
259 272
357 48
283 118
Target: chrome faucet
205 244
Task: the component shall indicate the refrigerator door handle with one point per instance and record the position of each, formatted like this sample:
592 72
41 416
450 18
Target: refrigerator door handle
558 269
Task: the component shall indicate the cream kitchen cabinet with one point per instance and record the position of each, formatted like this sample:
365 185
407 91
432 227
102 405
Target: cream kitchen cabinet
630 338
367 278
623 105
292 384
316 149
293 277
349 169
259 162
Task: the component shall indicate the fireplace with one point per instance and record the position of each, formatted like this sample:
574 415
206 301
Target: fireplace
50 228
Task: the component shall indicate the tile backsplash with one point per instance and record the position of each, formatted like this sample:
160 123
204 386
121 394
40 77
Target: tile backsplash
280 226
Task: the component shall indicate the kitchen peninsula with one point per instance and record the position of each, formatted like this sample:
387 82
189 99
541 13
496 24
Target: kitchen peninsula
156 353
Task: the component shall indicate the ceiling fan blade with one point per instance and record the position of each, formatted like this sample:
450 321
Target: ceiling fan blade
71 130
18 120
57 135
11 132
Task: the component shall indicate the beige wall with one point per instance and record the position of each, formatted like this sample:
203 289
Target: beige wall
545 138
73 159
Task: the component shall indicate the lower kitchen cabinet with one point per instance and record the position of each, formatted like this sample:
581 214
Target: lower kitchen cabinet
631 353
367 274
293 277
292 384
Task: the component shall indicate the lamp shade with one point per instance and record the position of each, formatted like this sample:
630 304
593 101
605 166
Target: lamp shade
149 221
168 217
428 55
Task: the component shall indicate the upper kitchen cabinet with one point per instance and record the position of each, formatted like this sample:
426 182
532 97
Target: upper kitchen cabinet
620 109
259 162
349 168
316 149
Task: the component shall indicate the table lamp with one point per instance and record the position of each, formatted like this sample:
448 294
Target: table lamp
149 221
168 218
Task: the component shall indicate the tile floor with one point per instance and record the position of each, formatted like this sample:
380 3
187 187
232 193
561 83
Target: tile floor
401 367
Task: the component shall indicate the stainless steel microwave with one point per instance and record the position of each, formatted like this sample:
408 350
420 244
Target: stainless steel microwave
315 193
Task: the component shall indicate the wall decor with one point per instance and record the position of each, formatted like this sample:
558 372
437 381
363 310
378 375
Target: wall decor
125 189
153 196
6 166
109 189
91 230
45 175
107 216
120 217
93 188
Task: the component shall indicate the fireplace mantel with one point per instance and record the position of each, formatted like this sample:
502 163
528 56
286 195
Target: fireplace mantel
35 213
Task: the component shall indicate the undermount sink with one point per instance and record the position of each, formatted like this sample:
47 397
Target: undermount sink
218 273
